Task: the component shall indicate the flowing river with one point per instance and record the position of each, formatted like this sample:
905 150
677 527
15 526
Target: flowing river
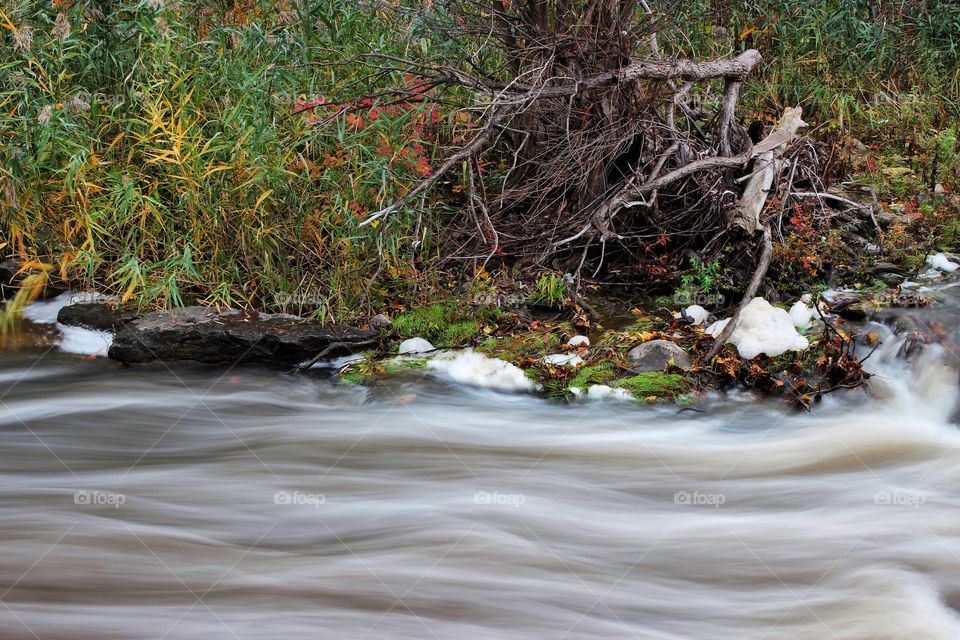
202 503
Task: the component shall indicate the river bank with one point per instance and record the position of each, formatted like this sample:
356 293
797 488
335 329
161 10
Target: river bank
799 349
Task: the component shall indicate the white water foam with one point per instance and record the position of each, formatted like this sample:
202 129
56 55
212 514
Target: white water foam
476 369
77 340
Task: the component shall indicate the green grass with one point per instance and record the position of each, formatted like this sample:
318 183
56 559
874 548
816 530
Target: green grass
167 155
445 324
549 289
159 154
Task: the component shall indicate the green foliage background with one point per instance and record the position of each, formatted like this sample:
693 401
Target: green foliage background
155 149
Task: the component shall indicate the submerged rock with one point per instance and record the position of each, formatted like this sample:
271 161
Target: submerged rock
655 355
203 335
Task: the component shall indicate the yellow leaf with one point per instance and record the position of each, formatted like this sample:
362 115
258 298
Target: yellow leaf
6 22
212 170
263 196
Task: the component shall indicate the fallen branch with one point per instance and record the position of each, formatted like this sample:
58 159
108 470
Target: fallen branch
748 295
300 368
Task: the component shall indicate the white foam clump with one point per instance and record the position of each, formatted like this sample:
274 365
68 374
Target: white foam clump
579 341
602 392
469 367
696 313
563 359
941 262
415 345
86 342
801 313
78 340
762 328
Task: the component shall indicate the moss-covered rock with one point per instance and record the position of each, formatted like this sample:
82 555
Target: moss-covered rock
653 383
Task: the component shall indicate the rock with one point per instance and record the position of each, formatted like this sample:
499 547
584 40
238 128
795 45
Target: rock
380 322
890 217
579 341
415 345
881 268
655 355
203 335
892 279
93 315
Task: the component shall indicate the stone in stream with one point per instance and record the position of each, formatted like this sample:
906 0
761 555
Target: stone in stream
655 355
94 315
201 334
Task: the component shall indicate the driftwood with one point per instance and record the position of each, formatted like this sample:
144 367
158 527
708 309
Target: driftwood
747 212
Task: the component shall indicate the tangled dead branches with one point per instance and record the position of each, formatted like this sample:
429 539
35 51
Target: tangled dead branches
606 151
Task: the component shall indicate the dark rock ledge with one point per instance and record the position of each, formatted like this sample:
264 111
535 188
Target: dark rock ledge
201 334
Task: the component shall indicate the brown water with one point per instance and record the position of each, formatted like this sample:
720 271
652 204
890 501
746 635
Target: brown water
205 503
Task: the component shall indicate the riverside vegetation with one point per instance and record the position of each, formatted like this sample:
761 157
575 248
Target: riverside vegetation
177 153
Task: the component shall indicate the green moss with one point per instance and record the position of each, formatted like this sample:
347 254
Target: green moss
368 369
653 383
354 375
445 324
602 373
398 365
520 347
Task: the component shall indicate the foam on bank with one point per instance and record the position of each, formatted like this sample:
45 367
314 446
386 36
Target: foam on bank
762 328
475 369
77 340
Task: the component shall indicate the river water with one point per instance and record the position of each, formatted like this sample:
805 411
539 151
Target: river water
196 503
